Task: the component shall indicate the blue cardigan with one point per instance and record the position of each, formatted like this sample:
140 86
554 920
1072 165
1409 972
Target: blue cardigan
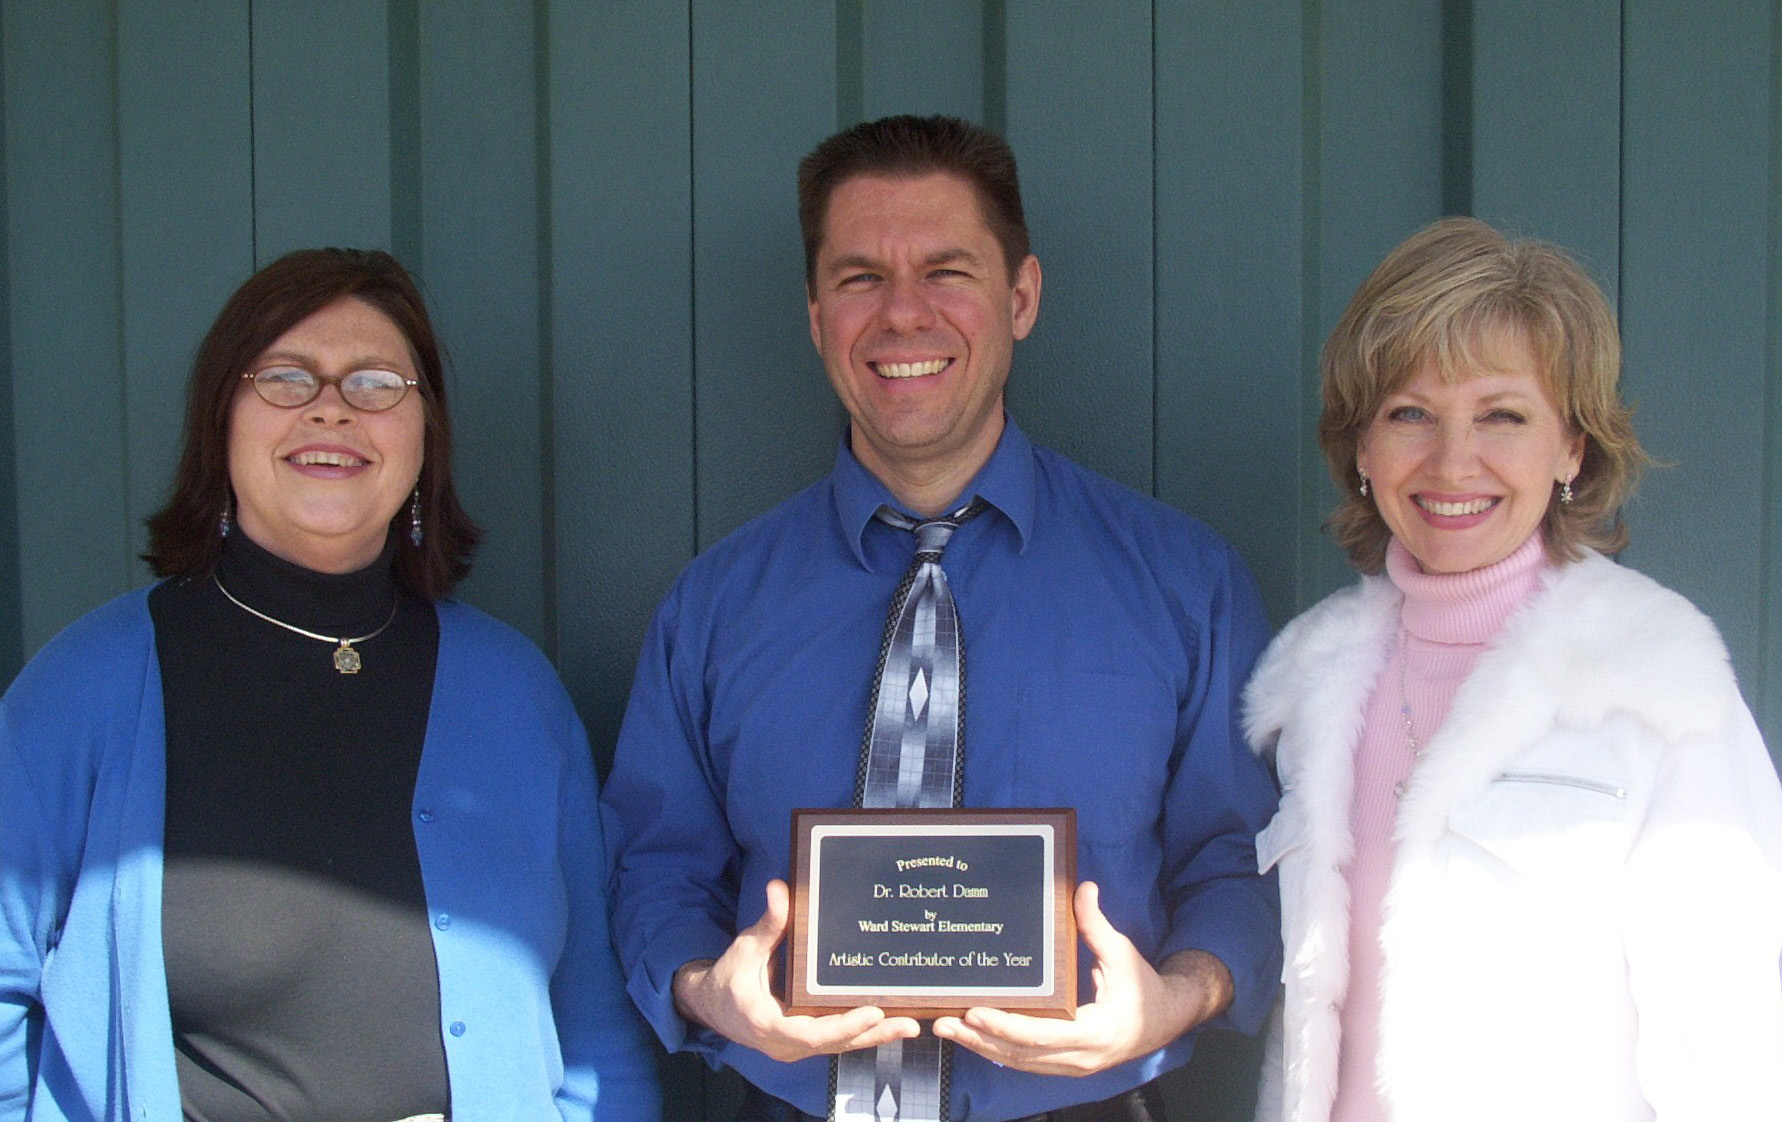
533 1013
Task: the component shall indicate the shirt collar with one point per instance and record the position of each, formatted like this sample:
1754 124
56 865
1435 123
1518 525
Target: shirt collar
1006 482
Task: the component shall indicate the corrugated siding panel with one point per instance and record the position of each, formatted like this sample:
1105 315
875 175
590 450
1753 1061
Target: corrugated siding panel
599 199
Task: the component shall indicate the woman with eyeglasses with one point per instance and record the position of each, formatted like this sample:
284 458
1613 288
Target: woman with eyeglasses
289 835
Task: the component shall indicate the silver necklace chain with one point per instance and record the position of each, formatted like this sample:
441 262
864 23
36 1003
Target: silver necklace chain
1404 705
1404 692
346 659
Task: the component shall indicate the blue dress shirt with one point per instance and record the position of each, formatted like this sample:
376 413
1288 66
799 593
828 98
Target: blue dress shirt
1107 638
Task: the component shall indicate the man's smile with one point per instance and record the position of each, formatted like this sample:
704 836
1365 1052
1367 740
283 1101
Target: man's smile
910 369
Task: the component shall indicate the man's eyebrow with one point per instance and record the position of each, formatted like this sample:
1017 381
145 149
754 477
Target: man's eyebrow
939 257
852 261
951 254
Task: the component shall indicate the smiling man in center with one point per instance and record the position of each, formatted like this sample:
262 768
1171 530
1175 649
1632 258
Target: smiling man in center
1108 639
916 314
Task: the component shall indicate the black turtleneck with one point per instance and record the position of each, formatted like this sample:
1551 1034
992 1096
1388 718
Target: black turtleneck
300 969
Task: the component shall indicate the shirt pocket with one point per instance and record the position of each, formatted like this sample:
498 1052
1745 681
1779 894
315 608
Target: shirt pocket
1544 822
1100 743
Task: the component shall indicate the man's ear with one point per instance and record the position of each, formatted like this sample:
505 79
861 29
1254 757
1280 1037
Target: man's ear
810 297
1024 296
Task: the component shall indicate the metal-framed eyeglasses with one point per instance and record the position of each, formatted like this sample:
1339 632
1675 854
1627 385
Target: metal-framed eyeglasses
369 391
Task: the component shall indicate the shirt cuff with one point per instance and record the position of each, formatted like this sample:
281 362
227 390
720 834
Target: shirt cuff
651 985
1240 925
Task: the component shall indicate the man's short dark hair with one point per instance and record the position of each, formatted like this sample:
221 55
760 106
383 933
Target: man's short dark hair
907 147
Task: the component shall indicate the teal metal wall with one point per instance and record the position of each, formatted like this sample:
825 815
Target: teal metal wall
598 195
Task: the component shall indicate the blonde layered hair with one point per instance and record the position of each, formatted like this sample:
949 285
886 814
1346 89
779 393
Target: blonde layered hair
1449 296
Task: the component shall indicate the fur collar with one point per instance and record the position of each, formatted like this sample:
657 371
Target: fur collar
1595 639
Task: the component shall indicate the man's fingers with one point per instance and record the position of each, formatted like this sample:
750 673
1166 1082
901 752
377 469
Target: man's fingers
765 933
1059 1057
1101 937
866 1027
966 1036
885 1031
835 1028
1023 1031
734 996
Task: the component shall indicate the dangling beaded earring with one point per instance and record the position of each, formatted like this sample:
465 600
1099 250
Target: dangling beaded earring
414 518
1363 475
224 525
1565 490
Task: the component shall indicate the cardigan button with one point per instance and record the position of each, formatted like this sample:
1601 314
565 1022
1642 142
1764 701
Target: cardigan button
457 1028
443 921
425 815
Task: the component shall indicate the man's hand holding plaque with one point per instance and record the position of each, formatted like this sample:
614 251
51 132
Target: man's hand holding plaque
733 996
1137 1009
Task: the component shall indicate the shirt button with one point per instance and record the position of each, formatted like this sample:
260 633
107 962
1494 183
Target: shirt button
425 815
457 1028
443 921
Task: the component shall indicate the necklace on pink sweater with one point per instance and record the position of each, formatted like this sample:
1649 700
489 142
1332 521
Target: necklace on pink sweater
1404 706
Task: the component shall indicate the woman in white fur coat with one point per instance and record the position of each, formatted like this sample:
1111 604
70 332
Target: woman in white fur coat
1530 841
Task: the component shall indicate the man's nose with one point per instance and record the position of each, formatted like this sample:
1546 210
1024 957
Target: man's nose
906 307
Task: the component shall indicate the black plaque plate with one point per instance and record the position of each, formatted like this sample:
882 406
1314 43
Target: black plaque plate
926 913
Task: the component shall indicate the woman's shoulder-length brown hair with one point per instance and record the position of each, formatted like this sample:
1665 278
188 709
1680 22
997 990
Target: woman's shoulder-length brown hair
183 535
1445 297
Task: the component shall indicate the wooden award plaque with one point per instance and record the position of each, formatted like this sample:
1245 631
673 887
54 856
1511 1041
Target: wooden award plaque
927 913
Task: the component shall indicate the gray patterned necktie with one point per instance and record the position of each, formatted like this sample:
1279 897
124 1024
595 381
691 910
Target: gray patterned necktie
911 756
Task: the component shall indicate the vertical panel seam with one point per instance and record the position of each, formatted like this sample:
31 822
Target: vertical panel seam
117 280
995 95
406 123
1311 286
1621 165
547 373
850 63
1763 690
1457 107
693 281
253 150
12 630
1156 301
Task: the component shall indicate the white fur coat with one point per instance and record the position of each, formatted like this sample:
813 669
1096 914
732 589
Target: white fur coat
1584 917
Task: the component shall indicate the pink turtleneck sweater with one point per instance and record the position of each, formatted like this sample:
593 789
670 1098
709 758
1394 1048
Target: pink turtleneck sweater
1446 622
